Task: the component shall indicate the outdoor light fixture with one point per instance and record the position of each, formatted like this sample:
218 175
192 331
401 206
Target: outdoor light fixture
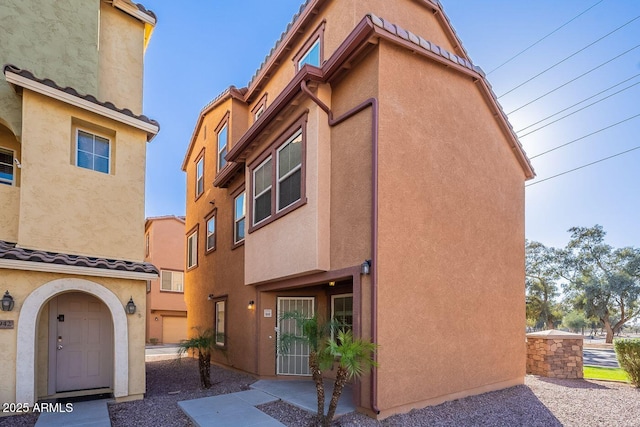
131 307
251 305
210 297
7 302
365 268
332 283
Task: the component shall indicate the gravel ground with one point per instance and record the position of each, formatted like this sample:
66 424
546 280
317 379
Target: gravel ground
540 402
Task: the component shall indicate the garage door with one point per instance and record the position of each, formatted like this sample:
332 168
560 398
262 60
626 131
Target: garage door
174 329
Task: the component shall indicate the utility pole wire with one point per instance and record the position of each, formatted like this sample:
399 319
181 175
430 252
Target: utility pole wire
573 80
567 58
577 111
543 38
585 136
577 103
583 166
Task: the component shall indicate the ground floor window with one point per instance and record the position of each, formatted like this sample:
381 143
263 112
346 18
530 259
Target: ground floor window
220 321
342 310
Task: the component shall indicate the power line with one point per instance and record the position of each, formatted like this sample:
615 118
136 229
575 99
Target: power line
577 103
567 58
578 110
582 167
573 80
585 136
543 38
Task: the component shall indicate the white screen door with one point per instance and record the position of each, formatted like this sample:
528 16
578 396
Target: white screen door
296 360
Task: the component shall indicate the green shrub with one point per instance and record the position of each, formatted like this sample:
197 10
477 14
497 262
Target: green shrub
628 354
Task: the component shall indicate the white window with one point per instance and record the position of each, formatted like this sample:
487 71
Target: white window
200 177
342 311
289 171
211 233
7 174
259 112
311 56
220 322
222 146
262 180
192 250
238 220
172 281
93 152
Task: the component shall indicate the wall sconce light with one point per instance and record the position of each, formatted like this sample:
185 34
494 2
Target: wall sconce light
130 307
365 267
251 305
332 283
156 319
210 297
7 302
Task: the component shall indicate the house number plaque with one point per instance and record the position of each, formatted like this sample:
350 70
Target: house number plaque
6 324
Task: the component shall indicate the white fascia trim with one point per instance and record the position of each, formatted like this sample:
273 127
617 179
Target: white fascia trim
79 102
132 10
14 264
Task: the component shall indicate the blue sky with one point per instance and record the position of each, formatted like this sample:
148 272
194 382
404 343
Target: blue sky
199 48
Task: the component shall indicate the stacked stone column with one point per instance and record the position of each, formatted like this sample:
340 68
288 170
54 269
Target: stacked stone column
554 354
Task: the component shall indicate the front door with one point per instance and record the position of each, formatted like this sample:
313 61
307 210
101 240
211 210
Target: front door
83 342
296 360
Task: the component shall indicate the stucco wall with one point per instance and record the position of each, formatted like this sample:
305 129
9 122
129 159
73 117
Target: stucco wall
64 208
298 241
451 238
121 54
45 37
21 284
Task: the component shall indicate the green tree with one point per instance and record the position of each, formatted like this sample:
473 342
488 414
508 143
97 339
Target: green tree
574 320
602 281
541 285
329 344
203 343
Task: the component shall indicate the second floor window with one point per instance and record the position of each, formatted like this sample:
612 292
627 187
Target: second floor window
192 249
200 177
238 219
290 171
211 233
6 167
172 281
311 56
93 152
223 137
262 191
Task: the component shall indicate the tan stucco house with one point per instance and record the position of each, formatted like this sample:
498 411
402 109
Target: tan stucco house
365 173
72 171
166 310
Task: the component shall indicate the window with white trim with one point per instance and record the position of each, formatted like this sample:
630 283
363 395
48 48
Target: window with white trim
262 183
211 233
200 177
289 164
239 218
220 320
172 281
7 172
259 113
93 152
223 137
192 250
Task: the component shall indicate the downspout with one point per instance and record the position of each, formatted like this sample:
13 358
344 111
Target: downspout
373 103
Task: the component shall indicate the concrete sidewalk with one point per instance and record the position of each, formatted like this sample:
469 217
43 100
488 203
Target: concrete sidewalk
89 414
153 353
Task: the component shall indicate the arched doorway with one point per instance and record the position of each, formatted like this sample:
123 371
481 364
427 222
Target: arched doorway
27 331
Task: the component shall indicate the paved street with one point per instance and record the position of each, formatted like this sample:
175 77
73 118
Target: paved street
600 357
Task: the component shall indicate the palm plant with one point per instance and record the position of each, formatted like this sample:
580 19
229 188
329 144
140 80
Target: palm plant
203 342
354 356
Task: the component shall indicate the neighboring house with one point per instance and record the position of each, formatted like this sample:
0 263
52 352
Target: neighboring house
365 173
166 309
72 174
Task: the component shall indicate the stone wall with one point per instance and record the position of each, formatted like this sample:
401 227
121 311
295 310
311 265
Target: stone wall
554 354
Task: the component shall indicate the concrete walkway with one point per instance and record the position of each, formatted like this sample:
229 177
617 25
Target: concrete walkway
230 410
90 414
239 409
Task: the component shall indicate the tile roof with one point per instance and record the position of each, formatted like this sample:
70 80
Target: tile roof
143 9
9 251
71 91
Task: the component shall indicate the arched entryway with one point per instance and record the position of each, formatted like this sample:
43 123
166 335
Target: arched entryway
27 331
